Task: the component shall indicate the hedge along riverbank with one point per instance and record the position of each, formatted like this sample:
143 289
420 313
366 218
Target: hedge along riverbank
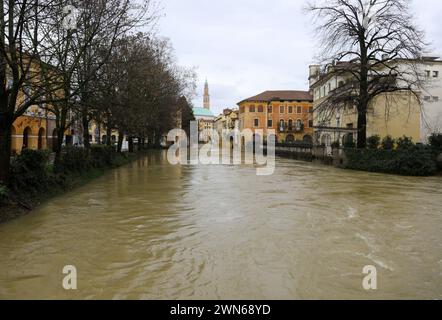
34 179
407 159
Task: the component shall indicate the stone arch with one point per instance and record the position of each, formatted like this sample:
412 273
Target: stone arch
26 138
308 139
290 138
41 139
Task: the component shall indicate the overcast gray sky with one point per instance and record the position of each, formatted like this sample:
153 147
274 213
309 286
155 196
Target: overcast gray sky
245 47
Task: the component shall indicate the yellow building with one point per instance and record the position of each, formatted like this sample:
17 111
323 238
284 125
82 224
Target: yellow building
287 112
391 114
228 120
35 129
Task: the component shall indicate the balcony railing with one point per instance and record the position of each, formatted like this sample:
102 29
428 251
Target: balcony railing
291 129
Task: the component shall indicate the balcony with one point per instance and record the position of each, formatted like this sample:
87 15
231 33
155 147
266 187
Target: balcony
291 129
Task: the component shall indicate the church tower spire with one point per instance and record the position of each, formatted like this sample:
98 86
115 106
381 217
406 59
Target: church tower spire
206 96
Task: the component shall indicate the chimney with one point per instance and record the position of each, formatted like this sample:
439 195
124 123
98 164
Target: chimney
314 72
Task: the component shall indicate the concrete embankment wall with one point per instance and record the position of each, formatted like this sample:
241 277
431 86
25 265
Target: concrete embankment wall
317 154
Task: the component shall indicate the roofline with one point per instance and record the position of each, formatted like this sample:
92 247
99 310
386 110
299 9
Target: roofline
275 98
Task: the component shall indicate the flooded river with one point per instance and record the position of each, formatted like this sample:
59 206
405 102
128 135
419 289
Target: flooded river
155 231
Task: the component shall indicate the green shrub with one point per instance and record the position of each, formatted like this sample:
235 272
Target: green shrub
436 141
404 143
417 160
4 194
349 144
30 172
74 159
388 143
102 156
374 142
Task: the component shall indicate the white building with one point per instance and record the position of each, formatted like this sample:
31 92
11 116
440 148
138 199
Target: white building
432 98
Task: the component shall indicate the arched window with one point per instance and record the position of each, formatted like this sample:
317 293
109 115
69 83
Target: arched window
308 139
290 138
290 125
281 125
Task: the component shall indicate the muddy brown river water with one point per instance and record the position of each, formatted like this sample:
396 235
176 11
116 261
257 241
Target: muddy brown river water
151 230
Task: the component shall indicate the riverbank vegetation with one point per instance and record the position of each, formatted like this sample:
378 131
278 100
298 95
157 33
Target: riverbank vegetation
84 66
402 157
34 177
88 63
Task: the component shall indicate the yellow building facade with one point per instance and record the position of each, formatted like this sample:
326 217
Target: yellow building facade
35 129
395 114
288 113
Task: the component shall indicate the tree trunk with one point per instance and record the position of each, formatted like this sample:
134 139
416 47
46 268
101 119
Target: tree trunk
85 123
157 140
109 134
58 148
120 141
362 130
150 140
363 95
5 147
131 144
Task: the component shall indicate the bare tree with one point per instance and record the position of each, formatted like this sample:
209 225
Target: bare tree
45 60
376 43
139 88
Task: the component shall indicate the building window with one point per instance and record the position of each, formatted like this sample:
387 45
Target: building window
310 110
290 109
435 74
260 109
281 109
270 123
428 73
435 99
256 122
299 124
270 109
310 123
290 125
299 109
241 110
427 98
252 109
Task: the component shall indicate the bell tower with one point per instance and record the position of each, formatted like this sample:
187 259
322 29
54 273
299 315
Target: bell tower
206 96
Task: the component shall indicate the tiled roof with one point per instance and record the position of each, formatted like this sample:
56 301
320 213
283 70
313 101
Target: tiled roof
281 95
